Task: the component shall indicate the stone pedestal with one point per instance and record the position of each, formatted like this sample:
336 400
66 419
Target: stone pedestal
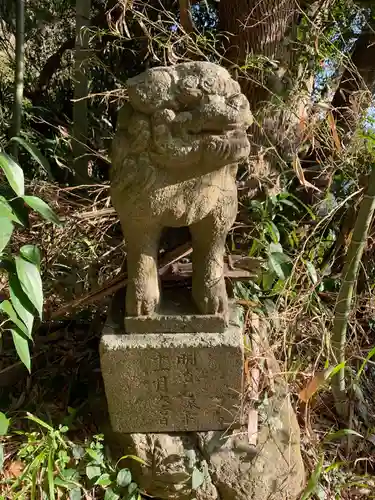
164 382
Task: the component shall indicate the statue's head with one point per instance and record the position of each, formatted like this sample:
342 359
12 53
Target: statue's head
191 113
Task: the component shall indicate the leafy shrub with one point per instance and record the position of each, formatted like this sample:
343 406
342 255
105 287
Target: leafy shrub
23 269
56 467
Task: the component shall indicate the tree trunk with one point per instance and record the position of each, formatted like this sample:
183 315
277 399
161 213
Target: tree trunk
357 84
256 28
81 87
19 73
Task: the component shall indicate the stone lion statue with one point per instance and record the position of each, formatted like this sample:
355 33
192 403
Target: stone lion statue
174 162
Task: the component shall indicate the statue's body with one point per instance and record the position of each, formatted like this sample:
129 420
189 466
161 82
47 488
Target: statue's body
174 163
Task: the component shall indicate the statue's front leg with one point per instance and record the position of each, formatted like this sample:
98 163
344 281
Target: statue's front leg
209 237
143 293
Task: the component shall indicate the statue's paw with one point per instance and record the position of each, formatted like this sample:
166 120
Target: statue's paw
143 303
212 300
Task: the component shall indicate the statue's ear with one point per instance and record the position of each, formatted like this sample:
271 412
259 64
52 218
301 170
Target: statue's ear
124 116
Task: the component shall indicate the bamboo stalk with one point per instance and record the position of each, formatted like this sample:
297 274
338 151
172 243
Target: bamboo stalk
344 299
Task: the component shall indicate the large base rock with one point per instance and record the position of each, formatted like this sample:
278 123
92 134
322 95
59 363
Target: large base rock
229 467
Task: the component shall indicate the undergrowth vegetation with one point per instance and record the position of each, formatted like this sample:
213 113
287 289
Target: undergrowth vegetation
310 83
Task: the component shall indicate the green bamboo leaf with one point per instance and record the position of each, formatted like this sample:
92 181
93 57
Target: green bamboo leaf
132 457
313 483
42 208
37 155
365 361
273 231
7 307
31 283
340 434
22 348
40 422
4 424
6 230
312 271
21 303
275 248
7 211
14 174
31 253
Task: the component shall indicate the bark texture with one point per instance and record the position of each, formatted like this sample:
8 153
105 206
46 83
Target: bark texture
357 83
257 28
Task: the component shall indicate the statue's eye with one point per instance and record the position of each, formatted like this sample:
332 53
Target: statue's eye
208 83
235 101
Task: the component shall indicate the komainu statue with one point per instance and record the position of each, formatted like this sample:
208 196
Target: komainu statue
179 139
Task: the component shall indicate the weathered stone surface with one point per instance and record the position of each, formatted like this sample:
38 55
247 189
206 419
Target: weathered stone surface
177 314
174 164
173 382
172 459
187 323
233 470
273 470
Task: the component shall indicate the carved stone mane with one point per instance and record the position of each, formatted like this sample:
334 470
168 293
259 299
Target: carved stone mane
174 161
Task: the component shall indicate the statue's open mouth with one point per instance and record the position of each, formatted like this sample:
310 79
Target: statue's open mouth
229 129
231 134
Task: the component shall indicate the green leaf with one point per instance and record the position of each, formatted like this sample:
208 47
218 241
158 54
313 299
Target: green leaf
22 348
31 283
268 280
289 203
1 457
132 488
21 303
132 457
75 494
4 424
7 307
273 231
42 208
78 452
124 477
21 211
37 155
313 482
14 174
340 434
6 230
70 474
276 262
365 361
7 211
275 248
111 495
93 471
31 253
95 455
312 272
104 480
40 422
197 479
